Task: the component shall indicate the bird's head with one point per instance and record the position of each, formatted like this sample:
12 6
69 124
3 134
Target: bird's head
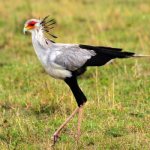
31 25
44 24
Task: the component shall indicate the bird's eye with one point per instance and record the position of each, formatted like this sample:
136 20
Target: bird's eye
32 23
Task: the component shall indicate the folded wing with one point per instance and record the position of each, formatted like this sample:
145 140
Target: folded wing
73 57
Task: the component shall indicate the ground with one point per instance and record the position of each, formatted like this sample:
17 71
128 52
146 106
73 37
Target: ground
33 105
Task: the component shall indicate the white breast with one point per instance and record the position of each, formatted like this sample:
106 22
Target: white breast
57 71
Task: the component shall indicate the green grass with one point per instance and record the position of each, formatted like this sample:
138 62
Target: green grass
33 105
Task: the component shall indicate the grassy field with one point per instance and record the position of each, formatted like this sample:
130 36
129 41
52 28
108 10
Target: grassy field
33 105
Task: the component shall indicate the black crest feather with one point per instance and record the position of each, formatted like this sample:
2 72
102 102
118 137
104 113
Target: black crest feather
48 25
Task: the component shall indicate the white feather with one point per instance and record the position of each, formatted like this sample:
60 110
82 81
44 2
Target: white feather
140 55
46 55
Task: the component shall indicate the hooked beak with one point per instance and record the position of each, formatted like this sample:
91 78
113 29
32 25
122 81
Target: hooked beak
27 28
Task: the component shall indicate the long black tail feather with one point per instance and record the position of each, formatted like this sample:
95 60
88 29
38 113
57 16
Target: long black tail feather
105 54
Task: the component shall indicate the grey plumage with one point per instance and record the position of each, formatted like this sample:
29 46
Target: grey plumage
59 60
72 57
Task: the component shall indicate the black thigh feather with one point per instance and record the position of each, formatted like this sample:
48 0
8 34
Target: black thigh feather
77 92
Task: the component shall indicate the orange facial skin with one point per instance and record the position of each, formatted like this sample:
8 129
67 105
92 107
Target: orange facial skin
30 25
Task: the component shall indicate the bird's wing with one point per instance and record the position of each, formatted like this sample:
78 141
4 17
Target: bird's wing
72 57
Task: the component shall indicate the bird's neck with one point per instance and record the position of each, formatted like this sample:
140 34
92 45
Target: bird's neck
39 37
41 45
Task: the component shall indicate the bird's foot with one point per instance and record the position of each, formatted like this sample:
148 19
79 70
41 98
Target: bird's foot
55 138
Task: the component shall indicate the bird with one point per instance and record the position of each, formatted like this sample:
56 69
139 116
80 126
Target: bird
68 61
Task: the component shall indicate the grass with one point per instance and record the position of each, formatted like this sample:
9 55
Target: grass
33 105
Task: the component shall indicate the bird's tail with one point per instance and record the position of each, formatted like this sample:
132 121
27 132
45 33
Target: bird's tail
105 54
140 55
121 54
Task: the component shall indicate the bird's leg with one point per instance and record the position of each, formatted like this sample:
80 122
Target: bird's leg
80 115
56 134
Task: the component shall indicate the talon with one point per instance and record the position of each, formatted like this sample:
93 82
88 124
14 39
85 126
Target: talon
55 138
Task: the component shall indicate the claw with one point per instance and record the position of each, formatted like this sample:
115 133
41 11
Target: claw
55 138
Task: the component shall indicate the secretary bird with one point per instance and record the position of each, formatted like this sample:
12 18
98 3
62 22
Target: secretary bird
68 61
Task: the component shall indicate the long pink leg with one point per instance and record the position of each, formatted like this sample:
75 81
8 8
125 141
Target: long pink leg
56 134
80 116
